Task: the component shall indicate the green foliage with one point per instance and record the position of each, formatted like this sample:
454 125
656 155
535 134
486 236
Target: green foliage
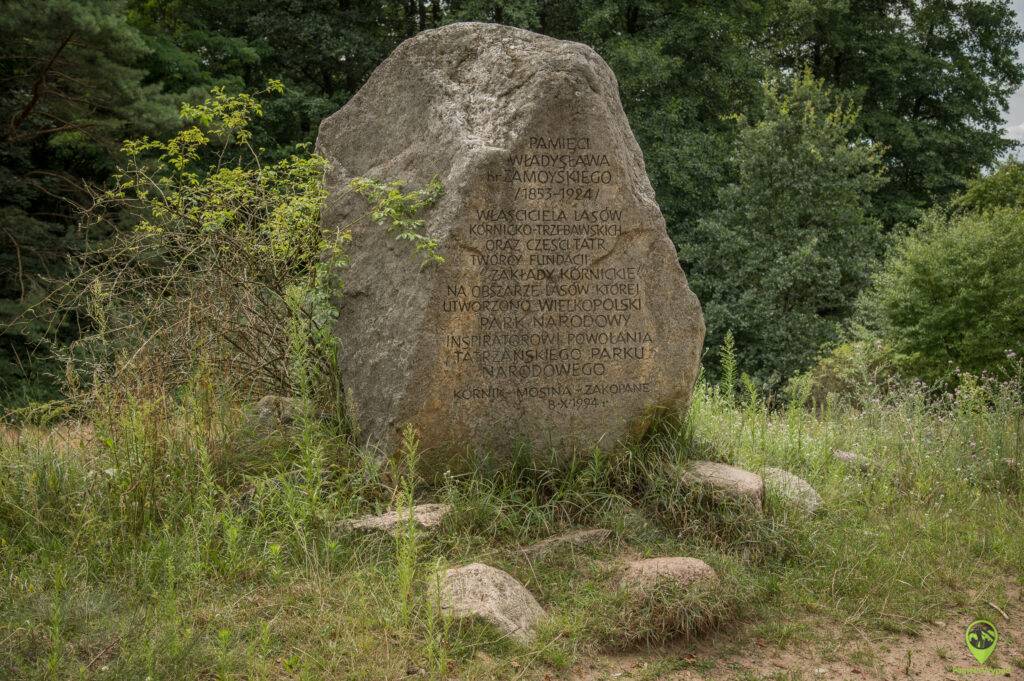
727 361
224 260
782 259
69 90
398 211
682 69
122 535
854 371
932 79
1003 188
225 267
72 79
950 297
321 50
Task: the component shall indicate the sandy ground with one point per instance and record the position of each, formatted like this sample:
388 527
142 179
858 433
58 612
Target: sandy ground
933 655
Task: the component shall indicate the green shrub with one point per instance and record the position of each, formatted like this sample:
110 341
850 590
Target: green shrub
853 371
1003 188
781 262
218 263
950 298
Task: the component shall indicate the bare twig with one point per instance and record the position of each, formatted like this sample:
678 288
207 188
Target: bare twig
999 610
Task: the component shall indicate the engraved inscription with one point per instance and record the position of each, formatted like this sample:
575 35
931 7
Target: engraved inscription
551 321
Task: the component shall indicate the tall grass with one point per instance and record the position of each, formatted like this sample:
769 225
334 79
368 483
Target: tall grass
169 538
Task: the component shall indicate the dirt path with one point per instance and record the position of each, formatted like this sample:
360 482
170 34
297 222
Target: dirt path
934 655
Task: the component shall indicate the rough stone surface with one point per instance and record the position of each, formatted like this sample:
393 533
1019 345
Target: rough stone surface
425 516
852 459
273 411
730 481
576 538
493 595
641 575
792 488
560 317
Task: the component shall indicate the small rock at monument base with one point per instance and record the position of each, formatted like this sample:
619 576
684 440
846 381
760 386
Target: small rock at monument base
728 481
560 318
664 598
425 516
493 596
274 411
646 574
576 539
791 488
853 459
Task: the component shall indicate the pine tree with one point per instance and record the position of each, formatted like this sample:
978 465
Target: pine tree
69 91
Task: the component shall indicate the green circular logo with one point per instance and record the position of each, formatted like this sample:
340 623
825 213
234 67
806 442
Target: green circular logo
981 639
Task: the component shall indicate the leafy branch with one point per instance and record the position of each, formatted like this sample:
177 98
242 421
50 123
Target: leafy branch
397 211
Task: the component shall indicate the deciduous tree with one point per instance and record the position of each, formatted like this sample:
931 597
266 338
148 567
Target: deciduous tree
781 260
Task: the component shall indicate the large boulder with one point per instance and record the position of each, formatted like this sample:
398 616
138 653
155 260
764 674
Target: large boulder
559 317
482 592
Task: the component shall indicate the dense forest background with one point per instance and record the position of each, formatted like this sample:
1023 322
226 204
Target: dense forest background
792 145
